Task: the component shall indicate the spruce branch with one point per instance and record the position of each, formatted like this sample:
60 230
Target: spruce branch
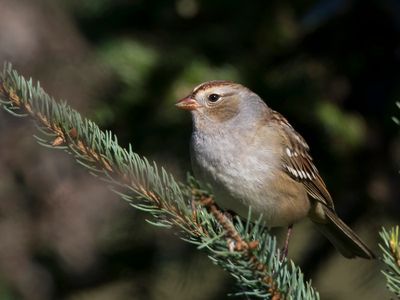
391 249
245 250
391 257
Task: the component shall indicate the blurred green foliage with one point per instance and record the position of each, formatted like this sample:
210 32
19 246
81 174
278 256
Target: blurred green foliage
347 130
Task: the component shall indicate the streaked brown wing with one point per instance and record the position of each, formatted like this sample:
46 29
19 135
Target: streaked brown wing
298 163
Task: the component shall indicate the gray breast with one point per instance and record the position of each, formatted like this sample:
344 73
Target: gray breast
237 171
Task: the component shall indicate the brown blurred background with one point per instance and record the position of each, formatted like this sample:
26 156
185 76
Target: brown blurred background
332 67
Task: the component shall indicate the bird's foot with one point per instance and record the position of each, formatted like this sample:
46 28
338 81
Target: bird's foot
285 249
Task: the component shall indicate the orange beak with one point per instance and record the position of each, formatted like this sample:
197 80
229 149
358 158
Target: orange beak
187 103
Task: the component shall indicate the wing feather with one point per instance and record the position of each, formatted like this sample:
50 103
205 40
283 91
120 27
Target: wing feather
298 163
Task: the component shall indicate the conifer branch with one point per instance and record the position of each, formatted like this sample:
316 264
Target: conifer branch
244 249
391 249
391 257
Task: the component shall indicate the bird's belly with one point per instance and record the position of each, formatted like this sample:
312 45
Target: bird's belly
243 179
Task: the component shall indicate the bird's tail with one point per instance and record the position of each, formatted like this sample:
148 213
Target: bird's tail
342 237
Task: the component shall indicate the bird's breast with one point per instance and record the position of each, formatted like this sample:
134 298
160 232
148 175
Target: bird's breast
239 172
245 173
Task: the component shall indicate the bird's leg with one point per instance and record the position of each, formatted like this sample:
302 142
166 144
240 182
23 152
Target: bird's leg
230 215
285 248
194 210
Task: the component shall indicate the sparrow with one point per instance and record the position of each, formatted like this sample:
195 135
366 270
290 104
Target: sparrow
252 157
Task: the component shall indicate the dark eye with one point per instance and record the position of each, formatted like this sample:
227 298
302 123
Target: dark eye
214 97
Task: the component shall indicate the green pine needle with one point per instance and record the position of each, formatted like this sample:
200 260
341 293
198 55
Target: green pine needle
391 257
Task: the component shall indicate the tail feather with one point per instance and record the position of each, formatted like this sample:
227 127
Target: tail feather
342 237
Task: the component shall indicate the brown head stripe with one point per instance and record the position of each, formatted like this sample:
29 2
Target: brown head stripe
212 83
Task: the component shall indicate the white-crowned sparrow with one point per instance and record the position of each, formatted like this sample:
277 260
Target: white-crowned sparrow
252 156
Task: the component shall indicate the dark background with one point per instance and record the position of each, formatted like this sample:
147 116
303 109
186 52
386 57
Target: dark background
331 67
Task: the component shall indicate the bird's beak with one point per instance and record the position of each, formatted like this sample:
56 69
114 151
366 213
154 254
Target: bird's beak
187 103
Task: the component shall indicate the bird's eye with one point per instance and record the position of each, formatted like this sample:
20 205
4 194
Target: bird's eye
214 97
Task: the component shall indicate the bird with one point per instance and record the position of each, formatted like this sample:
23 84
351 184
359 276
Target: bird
252 157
